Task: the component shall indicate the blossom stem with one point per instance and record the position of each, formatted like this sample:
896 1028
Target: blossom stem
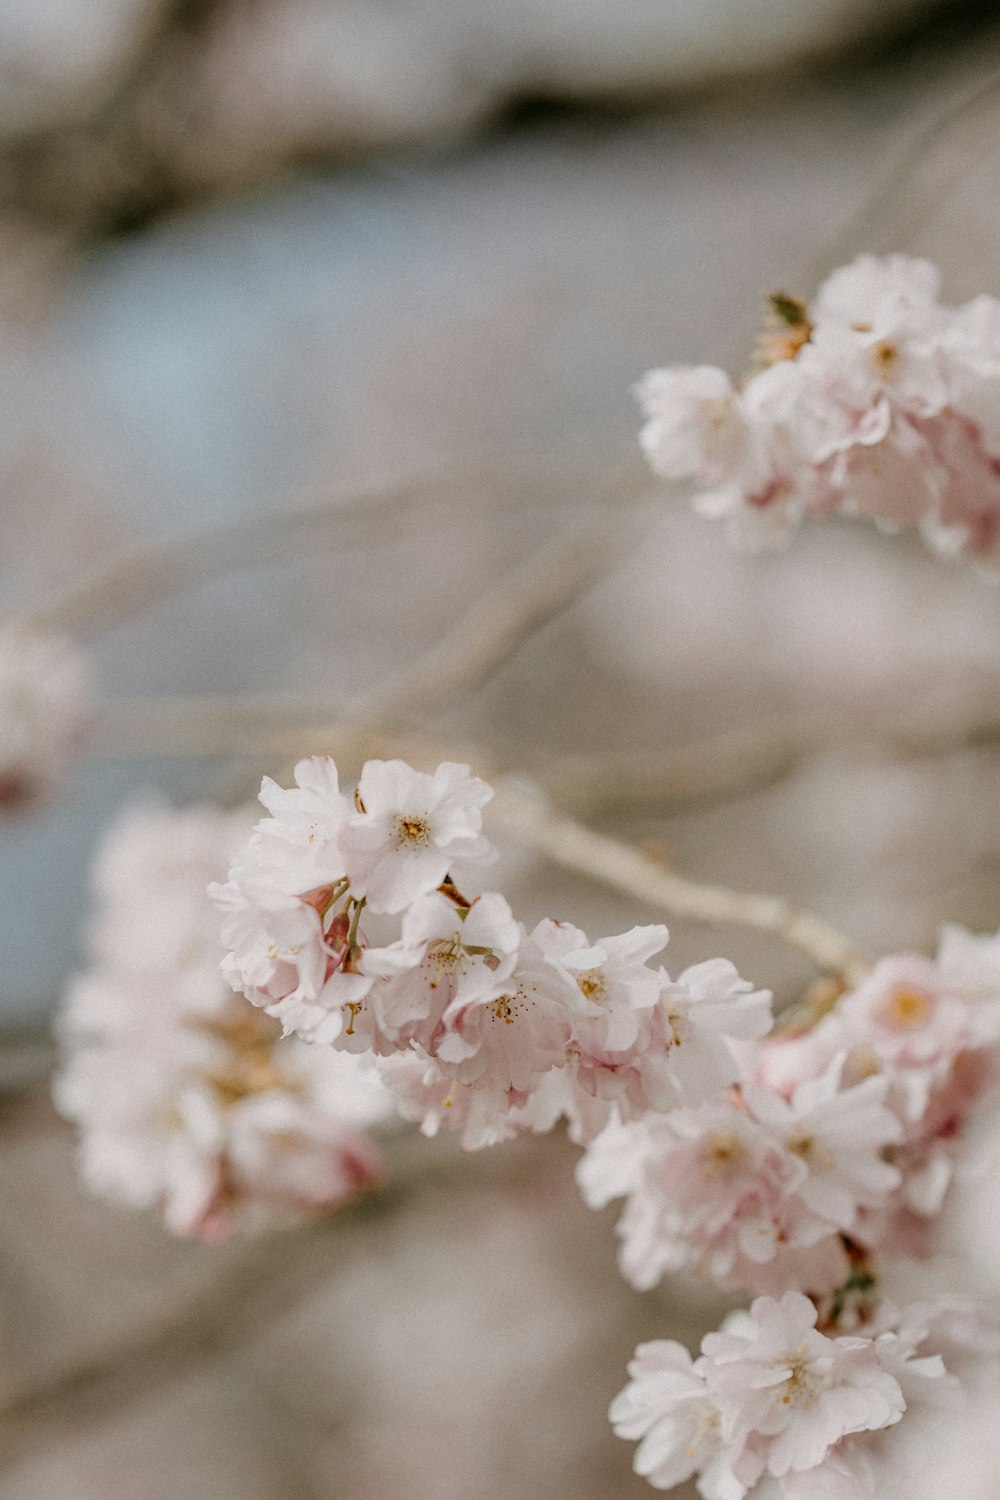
574 847
352 936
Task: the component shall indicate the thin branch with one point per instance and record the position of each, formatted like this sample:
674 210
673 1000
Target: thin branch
478 645
530 820
731 764
160 570
492 631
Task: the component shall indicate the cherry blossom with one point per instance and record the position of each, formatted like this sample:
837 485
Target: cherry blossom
779 1408
410 829
708 1008
186 1099
445 956
791 1391
667 1405
842 1135
877 400
46 700
750 1189
930 1029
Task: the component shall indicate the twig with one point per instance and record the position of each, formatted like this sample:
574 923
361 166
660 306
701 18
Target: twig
573 847
160 570
731 764
491 632
476 647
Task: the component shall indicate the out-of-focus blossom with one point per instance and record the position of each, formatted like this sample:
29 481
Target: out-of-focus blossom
751 1190
930 1030
187 1100
878 400
46 698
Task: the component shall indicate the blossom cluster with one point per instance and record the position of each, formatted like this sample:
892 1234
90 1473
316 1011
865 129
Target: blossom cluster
475 1022
875 400
45 703
777 1406
186 1099
755 1191
834 1153
929 1030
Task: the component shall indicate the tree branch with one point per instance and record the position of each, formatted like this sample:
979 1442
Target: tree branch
160 570
570 845
732 764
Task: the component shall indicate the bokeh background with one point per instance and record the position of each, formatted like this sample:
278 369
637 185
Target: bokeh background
252 250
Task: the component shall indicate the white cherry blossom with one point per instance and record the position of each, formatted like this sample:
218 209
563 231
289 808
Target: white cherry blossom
46 701
791 1391
410 829
667 1405
186 1099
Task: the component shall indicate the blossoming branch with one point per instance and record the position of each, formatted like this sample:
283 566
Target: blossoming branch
475 1023
784 1164
874 400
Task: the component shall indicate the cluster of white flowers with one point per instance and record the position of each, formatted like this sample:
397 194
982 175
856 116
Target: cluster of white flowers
751 1189
930 1031
875 400
474 1022
785 1164
46 694
186 1099
776 1406
837 1146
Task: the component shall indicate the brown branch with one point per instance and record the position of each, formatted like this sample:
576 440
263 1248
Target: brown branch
630 783
160 570
570 845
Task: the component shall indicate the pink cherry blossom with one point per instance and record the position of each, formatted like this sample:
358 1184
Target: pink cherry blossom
842 1135
709 1190
186 1099
513 1032
46 701
410 829
880 401
444 956
792 1391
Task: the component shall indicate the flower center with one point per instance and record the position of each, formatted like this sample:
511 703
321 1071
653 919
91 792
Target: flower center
593 987
885 355
677 1023
442 959
723 1149
908 1008
504 1009
412 832
805 1381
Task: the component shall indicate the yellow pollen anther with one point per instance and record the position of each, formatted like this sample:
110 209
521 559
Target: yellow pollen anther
354 1007
908 1008
414 831
503 1009
885 354
593 987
